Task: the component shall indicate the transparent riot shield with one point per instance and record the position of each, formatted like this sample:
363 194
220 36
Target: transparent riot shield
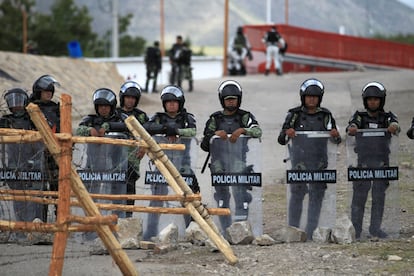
373 176
155 184
22 168
311 175
237 181
103 169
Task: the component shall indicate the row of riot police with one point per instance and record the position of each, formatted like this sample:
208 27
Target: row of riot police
232 139
310 133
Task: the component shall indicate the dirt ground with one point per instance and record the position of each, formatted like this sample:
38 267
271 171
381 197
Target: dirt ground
268 98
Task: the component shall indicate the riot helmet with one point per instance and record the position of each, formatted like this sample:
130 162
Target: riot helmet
228 89
173 93
130 88
104 96
374 89
311 87
44 83
16 97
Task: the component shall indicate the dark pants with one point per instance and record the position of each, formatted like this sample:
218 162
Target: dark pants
130 188
242 198
316 194
152 73
154 218
359 199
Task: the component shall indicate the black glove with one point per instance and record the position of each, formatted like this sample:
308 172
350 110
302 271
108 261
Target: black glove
171 131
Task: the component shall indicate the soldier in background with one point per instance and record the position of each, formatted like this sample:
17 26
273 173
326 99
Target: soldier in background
153 63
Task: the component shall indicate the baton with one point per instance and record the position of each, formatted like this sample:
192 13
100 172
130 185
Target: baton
205 163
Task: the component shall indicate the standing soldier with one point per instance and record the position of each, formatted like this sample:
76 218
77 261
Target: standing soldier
308 154
43 91
153 62
172 125
174 56
239 49
228 125
372 152
129 96
274 44
185 71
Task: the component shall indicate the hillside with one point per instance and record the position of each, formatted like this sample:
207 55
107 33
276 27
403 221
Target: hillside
203 21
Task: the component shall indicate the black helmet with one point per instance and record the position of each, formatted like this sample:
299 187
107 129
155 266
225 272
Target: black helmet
16 97
173 93
44 83
104 96
130 88
230 88
374 89
311 87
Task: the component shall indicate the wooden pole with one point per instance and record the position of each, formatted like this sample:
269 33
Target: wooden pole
177 183
104 232
64 190
29 136
102 196
119 207
225 36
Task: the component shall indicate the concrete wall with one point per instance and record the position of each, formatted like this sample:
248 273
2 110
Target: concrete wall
134 68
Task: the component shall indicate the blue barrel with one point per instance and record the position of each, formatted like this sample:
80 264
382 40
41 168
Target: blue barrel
74 48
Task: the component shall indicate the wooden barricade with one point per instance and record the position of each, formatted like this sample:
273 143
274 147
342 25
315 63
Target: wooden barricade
71 185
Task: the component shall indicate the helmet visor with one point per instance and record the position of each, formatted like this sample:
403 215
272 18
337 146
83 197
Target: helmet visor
172 90
47 82
15 99
126 87
104 96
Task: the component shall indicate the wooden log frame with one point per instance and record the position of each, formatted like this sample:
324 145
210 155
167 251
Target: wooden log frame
71 179
177 183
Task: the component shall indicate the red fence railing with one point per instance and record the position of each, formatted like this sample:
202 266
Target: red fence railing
334 46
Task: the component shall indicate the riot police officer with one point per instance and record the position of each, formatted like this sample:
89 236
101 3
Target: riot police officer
129 96
22 156
229 124
309 116
372 154
43 92
173 123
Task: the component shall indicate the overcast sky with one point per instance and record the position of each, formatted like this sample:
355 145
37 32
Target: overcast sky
408 2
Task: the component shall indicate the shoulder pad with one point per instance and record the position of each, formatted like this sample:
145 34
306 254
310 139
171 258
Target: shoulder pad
295 109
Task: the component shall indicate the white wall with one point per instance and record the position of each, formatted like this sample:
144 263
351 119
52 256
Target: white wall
134 68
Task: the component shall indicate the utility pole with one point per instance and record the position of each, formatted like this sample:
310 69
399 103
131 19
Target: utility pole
269 11
24 29
225 36
162 28
287 12
115 29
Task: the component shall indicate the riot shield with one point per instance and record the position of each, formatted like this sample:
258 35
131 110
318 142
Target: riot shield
373 166
155 184
103 169
311 175
237 180
22 168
